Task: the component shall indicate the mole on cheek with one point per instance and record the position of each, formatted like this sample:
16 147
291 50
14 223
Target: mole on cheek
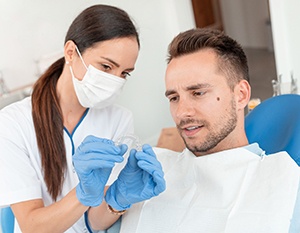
218 98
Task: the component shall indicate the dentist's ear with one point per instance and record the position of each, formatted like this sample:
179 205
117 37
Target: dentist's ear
69 51
243 93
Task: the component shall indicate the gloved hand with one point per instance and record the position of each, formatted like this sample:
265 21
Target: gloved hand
141 179
93 162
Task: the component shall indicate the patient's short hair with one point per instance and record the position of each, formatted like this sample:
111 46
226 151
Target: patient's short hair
231 57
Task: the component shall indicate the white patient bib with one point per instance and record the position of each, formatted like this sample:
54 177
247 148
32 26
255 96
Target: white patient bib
234 191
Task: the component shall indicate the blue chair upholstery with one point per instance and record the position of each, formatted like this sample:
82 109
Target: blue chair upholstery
7 220
275 125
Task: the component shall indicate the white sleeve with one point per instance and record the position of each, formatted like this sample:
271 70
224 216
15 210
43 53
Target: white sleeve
18 178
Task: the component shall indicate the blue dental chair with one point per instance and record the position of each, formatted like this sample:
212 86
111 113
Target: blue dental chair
7 220
275 125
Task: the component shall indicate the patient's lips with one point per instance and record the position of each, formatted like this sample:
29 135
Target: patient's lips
192 130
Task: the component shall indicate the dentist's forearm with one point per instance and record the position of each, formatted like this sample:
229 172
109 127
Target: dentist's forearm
100 218
33 217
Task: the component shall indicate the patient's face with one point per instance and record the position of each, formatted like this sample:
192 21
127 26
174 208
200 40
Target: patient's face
201 102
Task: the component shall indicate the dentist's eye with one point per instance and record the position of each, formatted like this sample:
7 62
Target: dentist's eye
105 67
126 74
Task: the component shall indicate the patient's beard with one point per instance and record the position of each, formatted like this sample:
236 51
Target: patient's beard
217 132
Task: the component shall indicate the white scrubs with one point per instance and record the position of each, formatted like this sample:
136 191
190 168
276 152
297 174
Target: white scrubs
21 176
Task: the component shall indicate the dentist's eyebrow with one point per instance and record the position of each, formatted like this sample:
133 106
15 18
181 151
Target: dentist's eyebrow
116 64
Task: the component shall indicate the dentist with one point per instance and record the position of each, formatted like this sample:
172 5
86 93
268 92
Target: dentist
57 146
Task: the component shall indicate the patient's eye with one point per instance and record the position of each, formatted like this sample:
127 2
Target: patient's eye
199 93
173 98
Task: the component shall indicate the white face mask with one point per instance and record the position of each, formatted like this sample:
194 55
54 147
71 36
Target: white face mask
97 89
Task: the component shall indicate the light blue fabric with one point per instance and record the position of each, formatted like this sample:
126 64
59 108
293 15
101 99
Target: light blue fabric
115 228
295 224
7 220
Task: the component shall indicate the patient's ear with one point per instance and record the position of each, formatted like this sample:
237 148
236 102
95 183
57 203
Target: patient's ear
242 92
69 51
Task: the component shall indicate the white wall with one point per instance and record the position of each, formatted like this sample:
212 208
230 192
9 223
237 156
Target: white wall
286 33
245 21
31 29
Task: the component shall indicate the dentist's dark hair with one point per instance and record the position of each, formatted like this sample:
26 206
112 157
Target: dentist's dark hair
232 60
95 24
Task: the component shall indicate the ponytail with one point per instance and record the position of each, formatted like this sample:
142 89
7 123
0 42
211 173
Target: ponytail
48 124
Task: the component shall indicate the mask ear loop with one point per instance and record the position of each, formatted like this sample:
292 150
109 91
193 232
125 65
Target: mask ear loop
80 57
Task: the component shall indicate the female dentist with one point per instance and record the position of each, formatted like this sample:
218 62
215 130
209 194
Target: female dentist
57 146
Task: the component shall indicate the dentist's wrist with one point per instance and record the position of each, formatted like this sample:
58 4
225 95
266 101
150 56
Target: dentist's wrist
115 212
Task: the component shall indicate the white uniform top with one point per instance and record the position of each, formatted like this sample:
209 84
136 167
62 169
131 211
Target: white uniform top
231 191
21 177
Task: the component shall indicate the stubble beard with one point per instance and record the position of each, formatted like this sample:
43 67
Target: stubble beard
215 135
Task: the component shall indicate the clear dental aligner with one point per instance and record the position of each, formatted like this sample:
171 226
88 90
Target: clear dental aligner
131 140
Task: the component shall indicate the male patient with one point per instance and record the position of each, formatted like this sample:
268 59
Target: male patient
219 183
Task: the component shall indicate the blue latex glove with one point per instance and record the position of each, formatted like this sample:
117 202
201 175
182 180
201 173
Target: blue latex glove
141 179
93 162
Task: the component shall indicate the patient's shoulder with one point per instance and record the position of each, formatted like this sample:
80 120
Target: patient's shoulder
283 159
